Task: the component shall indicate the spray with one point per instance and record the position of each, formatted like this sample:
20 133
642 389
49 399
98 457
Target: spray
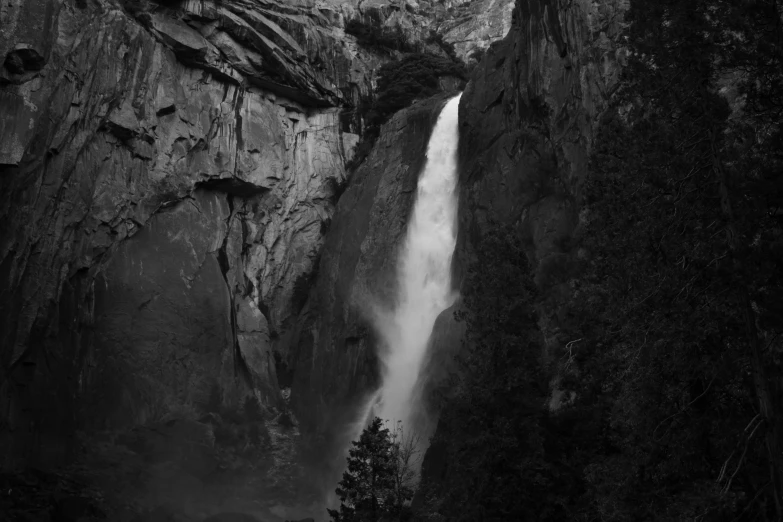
424 289
424 274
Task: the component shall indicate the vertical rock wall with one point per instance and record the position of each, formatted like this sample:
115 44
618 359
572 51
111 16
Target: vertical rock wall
158 201
529 116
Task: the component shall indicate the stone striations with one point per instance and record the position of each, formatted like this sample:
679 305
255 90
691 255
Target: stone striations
158 201
471 26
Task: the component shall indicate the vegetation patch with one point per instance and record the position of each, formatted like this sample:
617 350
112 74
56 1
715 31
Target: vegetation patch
401 82
379 38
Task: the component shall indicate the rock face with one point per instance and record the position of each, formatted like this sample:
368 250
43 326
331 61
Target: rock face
529 115
160 198
470 26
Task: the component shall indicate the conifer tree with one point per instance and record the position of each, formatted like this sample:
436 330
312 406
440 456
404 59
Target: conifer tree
366 490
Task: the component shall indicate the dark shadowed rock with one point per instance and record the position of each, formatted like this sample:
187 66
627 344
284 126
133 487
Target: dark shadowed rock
231 517
75 509
528 120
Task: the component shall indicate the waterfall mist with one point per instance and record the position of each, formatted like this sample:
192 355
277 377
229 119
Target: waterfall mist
424 275
424 291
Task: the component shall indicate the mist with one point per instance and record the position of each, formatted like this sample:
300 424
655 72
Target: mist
424 276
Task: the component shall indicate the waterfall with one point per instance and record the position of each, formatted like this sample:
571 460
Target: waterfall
424 273
424 287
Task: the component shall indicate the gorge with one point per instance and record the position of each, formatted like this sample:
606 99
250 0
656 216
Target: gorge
216 219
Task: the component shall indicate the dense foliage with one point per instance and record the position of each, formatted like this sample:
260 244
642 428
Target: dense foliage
378 37
380 478
501 451
677 314
680 310
412 77
400 82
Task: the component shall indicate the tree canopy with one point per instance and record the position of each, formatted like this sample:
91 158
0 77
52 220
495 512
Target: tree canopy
380 478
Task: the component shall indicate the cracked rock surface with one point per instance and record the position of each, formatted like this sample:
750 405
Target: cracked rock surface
160 197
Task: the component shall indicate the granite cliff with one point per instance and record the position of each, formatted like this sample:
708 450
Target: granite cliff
177 222
169 172
532 109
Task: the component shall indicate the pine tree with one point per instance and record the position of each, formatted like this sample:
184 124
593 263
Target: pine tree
366 490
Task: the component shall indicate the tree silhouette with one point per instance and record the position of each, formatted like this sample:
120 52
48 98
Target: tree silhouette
380 478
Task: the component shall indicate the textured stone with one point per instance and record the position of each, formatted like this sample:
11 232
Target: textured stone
145 203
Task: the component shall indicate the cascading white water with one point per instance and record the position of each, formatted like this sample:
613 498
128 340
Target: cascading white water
424 272
424 276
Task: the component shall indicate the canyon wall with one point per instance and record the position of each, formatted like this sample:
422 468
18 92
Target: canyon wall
166 179
168 175
529 116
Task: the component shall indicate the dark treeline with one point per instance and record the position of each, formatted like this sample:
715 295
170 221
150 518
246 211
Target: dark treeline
678 309
411 77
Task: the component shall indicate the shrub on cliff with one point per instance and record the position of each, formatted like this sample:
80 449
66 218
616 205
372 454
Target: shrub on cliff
378 37
447 47
400 83
412 77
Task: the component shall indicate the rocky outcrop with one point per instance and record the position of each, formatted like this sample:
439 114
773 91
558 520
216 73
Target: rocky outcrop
529 116
470 26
